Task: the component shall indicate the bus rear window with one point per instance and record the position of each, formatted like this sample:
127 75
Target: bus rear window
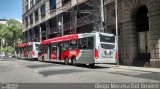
108 39
107 46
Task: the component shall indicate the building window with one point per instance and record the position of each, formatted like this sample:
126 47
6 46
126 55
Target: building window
52 4
65 1
36 1
36 15
27 7
43 11
31 3
66 17
31 19
26 21
26 2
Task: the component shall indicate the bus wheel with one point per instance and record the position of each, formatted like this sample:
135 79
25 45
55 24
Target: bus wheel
74 61
43 59
92 65
66 61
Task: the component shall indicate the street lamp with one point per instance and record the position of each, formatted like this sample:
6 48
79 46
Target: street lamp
60 27
116 14
40 33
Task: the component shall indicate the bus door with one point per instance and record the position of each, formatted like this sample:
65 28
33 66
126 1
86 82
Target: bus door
36 50
45 53
29 51
22 53
54 52
49 52
18 52
59 50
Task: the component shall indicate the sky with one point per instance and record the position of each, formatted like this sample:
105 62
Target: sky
11 9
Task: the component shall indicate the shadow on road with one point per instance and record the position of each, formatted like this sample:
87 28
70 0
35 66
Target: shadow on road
40 65
62 72
62 64
95 67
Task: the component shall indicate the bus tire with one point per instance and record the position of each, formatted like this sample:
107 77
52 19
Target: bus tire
73 61
43 59
66 61
92 65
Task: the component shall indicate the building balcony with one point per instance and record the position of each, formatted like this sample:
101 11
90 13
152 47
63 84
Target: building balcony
53 30
37 36
43 33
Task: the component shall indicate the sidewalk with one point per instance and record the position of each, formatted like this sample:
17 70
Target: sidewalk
145 69
7 58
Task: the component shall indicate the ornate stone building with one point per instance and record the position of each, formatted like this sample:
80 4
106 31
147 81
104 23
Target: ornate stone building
139 30
138 21
44 19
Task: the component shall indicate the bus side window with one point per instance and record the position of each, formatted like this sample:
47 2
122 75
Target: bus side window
82 43
90 43
85 43
46 50
29 48
73 44
41 49
54 49
65 45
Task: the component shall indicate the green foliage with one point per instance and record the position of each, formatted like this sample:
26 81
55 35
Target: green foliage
11 33
1 26
2 50
9 49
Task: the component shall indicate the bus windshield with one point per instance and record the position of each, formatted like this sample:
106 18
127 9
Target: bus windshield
37 47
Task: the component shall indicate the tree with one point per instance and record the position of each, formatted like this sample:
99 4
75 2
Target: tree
1 26
11 33
16 30
1 36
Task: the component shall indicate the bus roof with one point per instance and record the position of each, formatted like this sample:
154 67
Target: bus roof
71 37
26 44
23 45
60 39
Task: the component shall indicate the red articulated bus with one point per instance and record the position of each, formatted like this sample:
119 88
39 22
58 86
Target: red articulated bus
86 48
28 50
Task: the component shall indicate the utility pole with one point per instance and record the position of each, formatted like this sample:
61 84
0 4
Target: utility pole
73 18
40 33
102 15
116 14
76 17
62 30
60 25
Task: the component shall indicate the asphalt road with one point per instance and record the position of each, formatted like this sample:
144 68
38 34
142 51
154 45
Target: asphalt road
25 71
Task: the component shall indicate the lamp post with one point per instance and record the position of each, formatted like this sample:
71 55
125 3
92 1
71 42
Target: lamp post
60 25
116 14
102 16
40 32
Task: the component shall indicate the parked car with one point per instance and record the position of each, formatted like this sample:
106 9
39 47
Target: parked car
2 54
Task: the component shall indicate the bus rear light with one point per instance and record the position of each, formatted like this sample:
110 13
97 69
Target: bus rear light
33 53
116 55
96 54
